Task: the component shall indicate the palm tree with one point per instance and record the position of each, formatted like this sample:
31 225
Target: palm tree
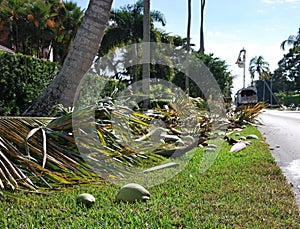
201 50
39 15
12 14
78 61
69 17
126 27
261 67
146 52
293 40
188 36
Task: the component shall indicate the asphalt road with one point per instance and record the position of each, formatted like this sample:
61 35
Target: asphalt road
282 132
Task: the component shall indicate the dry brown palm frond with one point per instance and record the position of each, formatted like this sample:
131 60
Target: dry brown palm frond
43 153
45 165
247 114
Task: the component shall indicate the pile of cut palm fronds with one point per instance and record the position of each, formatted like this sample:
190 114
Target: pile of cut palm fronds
247 115
38 152
33 155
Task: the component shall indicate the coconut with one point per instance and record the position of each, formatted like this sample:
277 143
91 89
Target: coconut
252 136
237 147
85 199
133 192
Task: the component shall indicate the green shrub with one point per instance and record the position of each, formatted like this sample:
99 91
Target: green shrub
289 100
95 87
22 79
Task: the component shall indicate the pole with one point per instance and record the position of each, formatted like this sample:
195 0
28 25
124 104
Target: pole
244 60
271 93
241 62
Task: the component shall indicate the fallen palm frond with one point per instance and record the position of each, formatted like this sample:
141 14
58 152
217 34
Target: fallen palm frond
247 114
35 152
43 166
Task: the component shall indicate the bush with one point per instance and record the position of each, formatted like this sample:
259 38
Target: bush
22 79
289 100
95 87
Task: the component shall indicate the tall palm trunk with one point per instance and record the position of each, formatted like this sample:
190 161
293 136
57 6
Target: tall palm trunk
146 53
188 36
78 61
201 50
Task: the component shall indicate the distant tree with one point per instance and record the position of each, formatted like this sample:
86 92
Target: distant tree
62 90
12 16
217 67
219 70
126 26
287 75
68 18
293 40
37 27
260 67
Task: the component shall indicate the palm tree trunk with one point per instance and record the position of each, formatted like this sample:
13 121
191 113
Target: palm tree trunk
146 53
188 36
62 90
201 50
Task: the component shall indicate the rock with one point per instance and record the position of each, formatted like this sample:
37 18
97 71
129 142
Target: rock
222 133
133 192
252 136
85 199
237 147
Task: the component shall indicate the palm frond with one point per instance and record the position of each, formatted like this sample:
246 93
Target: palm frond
36 153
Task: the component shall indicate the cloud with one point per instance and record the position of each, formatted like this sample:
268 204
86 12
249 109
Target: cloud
260 11
281 1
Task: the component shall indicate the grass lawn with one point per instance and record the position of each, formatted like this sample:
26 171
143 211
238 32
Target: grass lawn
244 189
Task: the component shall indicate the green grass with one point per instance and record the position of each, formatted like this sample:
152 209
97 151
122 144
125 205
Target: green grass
241 190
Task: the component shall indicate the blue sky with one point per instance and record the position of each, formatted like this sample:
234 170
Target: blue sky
259 26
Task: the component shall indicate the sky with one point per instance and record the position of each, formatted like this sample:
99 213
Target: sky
258 26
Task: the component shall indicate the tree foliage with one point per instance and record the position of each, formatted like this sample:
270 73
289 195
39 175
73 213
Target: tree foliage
126 27
36 27
217 67
287 76
22 79
260 67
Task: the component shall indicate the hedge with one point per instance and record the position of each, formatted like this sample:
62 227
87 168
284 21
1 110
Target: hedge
22 79
289 100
